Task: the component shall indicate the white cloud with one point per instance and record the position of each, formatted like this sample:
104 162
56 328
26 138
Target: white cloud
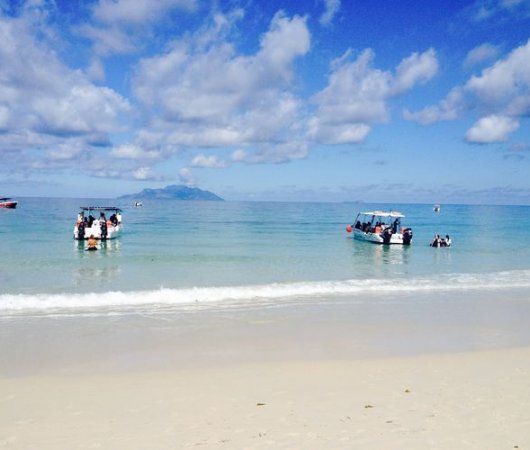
332 8
121 26
207 95
417 68
67 152
186 177
501 94
357 94
211 161
109 40
273 154
448 109
481 54
504 80
491 129
45 104
144 173
483 10
213 83
132 151
137 11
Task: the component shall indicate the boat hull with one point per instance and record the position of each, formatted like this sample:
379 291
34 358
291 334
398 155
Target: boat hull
377 238
112 232
8 205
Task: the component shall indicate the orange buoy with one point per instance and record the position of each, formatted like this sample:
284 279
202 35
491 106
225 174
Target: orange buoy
349 228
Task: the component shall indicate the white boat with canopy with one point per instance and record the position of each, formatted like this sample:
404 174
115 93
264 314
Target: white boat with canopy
380 227
102 222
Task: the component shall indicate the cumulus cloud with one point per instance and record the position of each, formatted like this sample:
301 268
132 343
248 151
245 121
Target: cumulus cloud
481 54
504 81
357 94
56 100
144 173
448 109
332 8
209 96
211 161
45 104
417 68
491 129
186 177
120 26
501 94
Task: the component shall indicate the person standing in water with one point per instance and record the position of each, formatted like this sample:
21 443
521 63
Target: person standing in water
92 243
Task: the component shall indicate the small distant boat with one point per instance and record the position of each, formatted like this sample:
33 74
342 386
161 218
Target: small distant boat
93 221
138 204
372 226
6 202
436 208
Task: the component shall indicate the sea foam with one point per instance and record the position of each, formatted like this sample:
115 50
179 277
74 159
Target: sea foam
247 295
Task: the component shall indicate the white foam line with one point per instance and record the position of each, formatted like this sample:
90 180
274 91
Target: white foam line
275 291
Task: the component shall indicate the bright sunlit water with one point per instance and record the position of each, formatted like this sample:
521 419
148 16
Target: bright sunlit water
176 252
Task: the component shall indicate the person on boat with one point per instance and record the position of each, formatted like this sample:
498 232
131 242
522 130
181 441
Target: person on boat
81 230
92 243
358 225
103 228
395 225
91 219
113 219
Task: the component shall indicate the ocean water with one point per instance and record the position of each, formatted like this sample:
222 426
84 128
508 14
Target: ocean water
209 254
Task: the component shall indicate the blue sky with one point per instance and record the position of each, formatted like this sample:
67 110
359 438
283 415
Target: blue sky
316 100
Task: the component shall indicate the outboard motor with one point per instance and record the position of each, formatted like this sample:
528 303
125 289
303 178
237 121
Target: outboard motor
407 236
387 235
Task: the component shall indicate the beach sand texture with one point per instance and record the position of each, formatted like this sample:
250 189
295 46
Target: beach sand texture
475 400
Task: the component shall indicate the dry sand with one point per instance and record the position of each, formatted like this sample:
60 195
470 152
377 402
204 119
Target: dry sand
475 400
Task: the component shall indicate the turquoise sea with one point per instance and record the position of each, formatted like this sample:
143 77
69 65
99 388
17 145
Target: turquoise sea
175 254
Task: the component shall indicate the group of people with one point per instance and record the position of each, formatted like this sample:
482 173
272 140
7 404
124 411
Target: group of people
441 242
84 223
379 226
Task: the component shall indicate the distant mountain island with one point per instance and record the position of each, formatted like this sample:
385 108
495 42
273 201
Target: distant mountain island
173 192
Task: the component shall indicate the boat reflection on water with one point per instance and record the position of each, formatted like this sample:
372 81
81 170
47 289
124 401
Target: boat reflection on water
86 275
391 255
374 261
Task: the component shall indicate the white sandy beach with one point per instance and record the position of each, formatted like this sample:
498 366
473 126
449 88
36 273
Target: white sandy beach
475 400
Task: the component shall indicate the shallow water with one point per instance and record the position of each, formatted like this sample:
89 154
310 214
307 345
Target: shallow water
188 253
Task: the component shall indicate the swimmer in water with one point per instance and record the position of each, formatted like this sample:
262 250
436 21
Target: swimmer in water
92 243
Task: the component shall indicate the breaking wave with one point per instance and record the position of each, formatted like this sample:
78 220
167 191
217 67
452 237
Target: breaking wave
247 295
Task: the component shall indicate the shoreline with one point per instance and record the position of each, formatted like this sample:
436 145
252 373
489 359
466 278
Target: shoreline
349 329
472 400
436 370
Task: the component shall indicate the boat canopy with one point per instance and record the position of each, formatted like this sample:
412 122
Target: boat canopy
382 213
100 208
3 199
